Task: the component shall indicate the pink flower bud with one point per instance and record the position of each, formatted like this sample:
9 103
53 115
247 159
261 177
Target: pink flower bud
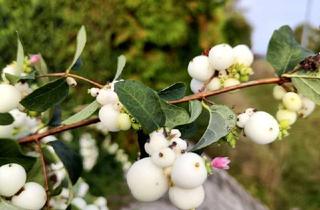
220 163
35 58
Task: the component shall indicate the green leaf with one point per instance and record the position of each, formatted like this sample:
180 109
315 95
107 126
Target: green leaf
310 88
284 52
10 152
6 119
173 92
83 114
42 68
5 205
195 109
222 120
81 42
35 173
20 56
142 103
120 66
70 159
47 96
175 115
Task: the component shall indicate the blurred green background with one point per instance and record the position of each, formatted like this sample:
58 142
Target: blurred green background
159 38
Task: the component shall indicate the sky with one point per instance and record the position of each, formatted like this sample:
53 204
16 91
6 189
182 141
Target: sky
267 15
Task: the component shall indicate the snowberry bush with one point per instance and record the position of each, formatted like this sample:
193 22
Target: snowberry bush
39 171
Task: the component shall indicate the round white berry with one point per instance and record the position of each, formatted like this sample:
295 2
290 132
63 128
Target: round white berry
200 69
278 92
231 82
262 128
175 132
242 119
107 96
214 84
32 197
159 132
124 121
186 199
10 97
71 81
189 171
146 181
10 69
308 107
178 145
108 116
12 178
292 101
250 111
164 157
79 202
156 143
94 92
221 57
6 131
196 86
242 55
287 115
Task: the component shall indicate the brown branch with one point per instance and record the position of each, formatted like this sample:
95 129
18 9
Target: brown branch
196 96
63 74
44 169
58 129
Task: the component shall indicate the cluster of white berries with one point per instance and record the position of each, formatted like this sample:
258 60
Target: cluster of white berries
223 67
80 202
30 195
292 106
112 114
89 151
120 154
23 125
169 168
260 127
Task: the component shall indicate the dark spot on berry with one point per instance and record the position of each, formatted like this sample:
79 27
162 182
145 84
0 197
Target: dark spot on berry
197 165
160 154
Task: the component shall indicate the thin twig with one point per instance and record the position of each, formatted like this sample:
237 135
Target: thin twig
196 96
63 74
44 169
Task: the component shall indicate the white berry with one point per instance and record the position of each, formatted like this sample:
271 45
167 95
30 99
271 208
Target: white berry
178 145
214 84
200 69
175 132
124 121
307 108
250 111
262 128
242 119
79 202
186 199
221 57
146 181
12 178
94 92
10 98
292 101
287 115
242 55
107 96
164 157
156 143
108 116
189 171
196 86
32 197
278 92
231 82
